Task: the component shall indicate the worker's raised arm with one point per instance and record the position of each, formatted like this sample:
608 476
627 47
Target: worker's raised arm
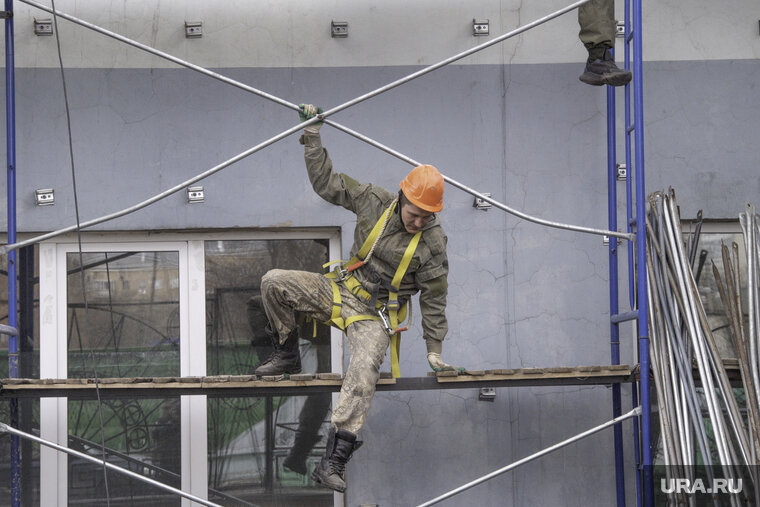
334 188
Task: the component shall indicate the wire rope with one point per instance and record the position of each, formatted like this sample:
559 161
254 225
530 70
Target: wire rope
79 249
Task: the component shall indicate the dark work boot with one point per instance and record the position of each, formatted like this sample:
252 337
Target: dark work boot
296 458
286 357
331 470
601 70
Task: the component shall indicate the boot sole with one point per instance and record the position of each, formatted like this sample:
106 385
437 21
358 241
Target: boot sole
617 79
291 371
315 478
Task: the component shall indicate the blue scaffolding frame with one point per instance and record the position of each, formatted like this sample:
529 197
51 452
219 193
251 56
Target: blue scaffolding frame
637 284
13 348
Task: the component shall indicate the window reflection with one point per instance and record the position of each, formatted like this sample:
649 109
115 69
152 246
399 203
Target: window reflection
139 435
28 347
28 313
123 314
262 449
29 422
123 321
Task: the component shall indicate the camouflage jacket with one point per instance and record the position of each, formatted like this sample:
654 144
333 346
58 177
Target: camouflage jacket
429 267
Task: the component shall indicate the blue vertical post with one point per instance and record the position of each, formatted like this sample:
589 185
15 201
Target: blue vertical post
629 157
630 221
643 321
613 272
10 120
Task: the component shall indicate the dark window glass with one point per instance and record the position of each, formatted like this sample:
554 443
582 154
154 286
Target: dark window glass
118 329
262 450
28 347
123 321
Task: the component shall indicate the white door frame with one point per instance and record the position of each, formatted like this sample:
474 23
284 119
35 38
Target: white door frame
54 362
53 336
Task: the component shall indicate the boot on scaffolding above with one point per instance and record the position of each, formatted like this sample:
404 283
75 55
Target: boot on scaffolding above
601 69
598 31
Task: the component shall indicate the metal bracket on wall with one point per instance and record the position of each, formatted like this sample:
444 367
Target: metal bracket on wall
480 204
44 196
479 27
43 26
195 195
6 14
193 29
339 29
487 394
622 172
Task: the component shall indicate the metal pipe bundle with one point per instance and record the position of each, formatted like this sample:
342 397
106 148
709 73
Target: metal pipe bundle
750 346
682 343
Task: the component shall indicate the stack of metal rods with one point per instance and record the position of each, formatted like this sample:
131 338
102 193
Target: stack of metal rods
748 337
681 339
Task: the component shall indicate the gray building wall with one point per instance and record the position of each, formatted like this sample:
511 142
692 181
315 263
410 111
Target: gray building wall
515 122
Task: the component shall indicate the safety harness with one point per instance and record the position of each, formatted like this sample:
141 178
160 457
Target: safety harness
391 313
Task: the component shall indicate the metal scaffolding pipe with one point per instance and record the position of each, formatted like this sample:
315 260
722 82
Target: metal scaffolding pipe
612 250
672 257
673 374
633 413
704 352
323 117
641 275
13 338
638 436
669 300
7 429
8 330
663 393
746 221
676 248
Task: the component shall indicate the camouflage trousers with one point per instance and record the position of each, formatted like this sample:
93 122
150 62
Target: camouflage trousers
285 292
598 26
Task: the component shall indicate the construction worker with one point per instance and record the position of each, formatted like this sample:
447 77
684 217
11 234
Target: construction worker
598 28
399 249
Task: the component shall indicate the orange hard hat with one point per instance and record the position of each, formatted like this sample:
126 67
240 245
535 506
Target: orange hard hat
423 186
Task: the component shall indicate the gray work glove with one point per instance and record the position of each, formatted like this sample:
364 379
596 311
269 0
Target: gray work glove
437 364
307 112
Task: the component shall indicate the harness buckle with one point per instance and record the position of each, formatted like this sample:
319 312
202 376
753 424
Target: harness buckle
384 320
341 273
386 323
393 304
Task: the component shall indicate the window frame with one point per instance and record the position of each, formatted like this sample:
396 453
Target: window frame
192 293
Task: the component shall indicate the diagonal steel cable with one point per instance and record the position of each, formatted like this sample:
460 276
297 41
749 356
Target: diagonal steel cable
633 413
4 428
79 244
323 117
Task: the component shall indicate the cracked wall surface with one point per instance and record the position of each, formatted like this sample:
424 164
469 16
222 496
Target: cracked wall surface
516 125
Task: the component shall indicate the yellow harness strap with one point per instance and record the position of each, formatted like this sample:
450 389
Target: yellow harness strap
337 305
396 313
393 304
357 260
